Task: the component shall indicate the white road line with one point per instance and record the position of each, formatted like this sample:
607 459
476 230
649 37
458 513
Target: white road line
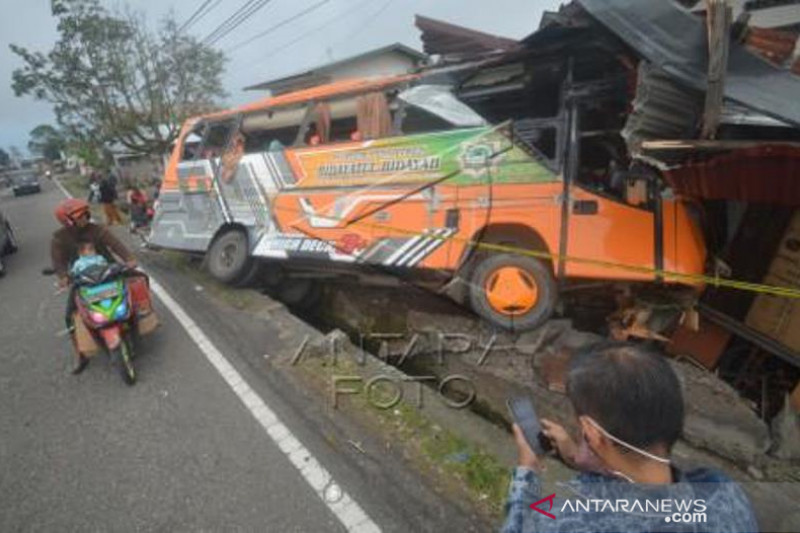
349 513
342 505
63 190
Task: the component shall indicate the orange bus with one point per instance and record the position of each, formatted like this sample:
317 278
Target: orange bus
400 174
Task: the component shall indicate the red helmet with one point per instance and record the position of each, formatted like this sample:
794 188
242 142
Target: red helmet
70 209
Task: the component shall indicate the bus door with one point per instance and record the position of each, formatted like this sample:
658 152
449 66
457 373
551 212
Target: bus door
608 216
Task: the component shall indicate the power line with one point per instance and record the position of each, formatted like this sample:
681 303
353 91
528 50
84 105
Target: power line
199 13
278 25
225 23
193 16
316 29
364 26
239 17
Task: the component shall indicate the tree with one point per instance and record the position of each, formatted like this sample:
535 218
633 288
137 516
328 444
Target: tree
112 81
46 141
5 159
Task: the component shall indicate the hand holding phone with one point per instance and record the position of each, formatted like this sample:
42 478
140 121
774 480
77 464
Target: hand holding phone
524 415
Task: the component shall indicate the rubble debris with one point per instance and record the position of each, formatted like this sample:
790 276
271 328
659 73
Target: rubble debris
786 433
704 344
648 320
553 365
530 342
718 420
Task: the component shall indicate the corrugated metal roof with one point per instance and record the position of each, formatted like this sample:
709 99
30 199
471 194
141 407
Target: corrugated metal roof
443 38
675 40
662 109
764 174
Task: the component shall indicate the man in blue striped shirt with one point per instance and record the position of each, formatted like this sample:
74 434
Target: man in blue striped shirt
629 407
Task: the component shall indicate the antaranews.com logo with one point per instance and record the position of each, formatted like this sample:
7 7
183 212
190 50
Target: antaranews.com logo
684 511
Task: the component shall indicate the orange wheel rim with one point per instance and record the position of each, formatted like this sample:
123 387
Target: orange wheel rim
511 291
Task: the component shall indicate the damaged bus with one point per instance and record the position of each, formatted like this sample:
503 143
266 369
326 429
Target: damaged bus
401 176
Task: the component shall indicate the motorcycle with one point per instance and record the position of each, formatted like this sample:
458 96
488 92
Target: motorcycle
109 310
104 305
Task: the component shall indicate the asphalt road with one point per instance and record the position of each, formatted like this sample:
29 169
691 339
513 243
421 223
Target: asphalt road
177 452
86 453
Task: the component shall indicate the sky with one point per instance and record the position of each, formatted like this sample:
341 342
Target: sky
328 35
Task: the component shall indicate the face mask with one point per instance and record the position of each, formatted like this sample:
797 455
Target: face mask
588 461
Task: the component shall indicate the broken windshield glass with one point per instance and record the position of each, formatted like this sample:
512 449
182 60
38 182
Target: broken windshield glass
440 101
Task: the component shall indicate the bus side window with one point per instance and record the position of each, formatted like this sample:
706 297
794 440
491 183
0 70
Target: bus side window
271 131
216 139
544 137
344 129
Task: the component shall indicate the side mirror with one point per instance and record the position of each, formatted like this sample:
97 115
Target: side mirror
49 271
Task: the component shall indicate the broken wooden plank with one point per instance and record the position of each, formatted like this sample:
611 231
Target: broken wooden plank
719 17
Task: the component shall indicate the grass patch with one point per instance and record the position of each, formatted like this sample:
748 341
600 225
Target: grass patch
461 466
483 475
190 266
77 185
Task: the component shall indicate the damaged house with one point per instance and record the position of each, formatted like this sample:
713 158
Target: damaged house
644 100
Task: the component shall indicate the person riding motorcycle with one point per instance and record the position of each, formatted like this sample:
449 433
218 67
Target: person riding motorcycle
75 217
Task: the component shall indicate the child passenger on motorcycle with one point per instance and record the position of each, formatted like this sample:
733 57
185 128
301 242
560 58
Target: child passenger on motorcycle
87 258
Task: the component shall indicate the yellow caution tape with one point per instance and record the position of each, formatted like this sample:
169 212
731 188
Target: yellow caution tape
691 279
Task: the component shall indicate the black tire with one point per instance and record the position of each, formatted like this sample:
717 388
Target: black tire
300 294
251 276
11 245
122 360
530 271
228 258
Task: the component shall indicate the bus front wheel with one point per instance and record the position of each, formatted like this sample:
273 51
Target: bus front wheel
513 292
229 257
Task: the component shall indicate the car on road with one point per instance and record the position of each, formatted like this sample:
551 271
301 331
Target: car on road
8 241
26 183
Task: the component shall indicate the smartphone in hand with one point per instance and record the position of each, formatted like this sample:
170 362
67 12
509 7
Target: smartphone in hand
524 415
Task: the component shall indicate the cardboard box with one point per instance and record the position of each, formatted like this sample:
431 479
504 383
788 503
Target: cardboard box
147 323
779 316
84 339
88 346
